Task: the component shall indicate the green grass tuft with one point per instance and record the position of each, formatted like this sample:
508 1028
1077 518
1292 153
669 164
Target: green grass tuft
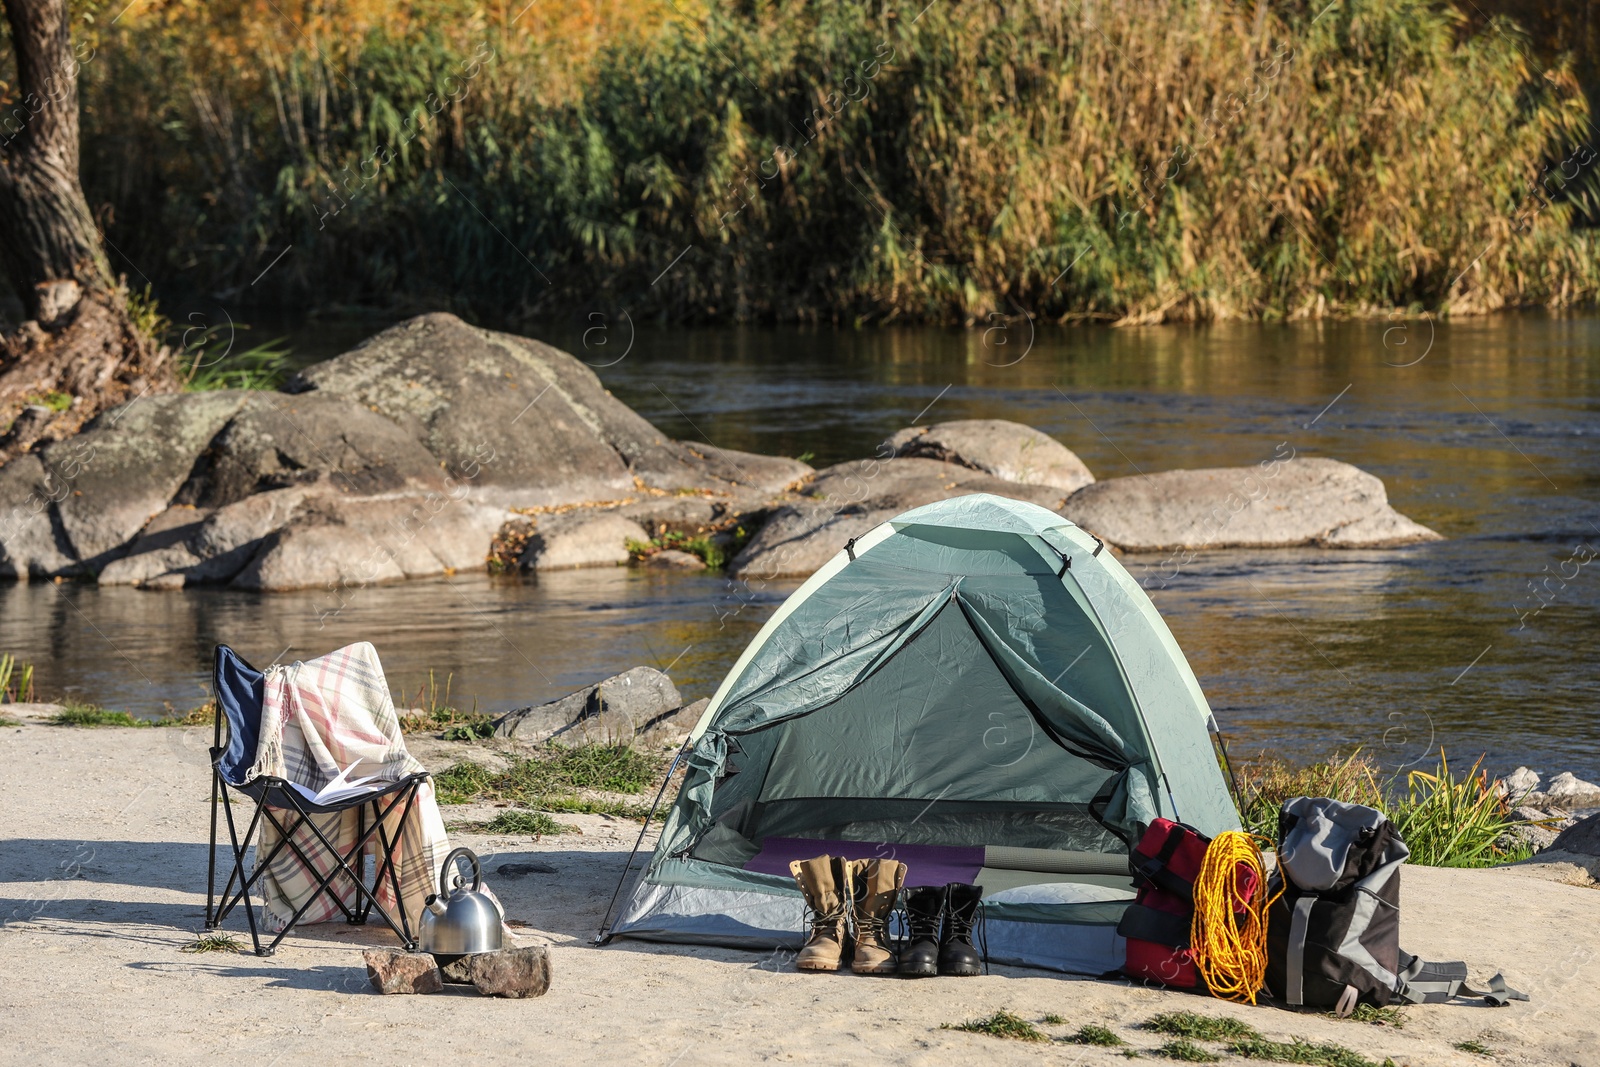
436 712
16 681
462 783
1001 1024
534 823
7 721
1368 1013
1184 1049
1204 1027
214 942
1096 1035
557 779
1446 819
709 551
93 715
1299 1051
1477 1048
1052 1019
202 368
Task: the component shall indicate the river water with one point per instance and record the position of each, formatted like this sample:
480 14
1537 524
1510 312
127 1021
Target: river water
1486 430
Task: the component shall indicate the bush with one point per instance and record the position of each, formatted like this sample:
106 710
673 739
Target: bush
1445 820
838 160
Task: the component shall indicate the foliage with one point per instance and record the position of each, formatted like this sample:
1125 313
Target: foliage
1475 1047
1143 162
201 715
262 366
1445 820
16 680
1448 821
534 823
6 720
434 711
1268 783
214 942
559 780
1096 1035
1001 1024
75 714
1371 1013
1300 1051
1184 1049
56 402
710 553
1193 1024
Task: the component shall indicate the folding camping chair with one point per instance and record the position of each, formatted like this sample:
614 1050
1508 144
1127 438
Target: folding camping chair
239 689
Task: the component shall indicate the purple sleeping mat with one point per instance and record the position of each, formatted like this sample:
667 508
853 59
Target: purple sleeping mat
925 864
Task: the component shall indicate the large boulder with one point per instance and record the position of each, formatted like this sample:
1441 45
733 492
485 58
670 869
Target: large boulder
1007 450
342 545
612 711
297 538
848 499
799 538
555 433
276 441
1278 503
579 539
74 506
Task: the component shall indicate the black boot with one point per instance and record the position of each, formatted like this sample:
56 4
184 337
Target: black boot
924 911
957 956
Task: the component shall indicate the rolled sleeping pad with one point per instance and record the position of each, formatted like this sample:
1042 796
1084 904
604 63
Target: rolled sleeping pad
1054 861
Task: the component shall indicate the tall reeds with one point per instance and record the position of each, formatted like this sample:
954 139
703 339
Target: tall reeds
1170 160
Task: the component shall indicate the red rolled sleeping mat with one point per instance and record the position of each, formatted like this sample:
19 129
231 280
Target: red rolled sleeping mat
1165 864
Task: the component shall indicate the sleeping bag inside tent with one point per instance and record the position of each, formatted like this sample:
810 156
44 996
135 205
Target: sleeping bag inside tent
975 688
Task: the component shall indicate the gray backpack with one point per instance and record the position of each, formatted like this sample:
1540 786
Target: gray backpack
1333 937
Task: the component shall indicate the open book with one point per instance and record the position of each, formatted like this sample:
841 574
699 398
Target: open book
342 787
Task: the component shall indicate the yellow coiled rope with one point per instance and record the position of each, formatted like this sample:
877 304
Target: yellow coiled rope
1228 935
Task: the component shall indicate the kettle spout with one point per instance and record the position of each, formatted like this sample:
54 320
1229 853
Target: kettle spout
433 905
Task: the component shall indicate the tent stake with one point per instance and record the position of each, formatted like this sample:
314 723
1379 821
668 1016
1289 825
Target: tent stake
600 936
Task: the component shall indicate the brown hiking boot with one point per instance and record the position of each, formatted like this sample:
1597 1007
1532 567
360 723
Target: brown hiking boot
875 885
825 881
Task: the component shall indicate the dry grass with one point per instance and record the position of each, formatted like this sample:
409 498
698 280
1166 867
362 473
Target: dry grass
1173 160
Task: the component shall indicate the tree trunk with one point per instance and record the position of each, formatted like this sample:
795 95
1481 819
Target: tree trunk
80 351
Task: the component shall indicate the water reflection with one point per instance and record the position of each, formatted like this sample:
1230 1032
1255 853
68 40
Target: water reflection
1493 438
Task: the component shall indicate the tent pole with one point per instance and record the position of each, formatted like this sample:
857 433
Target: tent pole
601 936
1227 765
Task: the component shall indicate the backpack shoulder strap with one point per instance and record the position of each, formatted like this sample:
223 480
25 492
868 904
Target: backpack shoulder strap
1421 982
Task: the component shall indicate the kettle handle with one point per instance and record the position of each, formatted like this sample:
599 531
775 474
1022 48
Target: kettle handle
450 865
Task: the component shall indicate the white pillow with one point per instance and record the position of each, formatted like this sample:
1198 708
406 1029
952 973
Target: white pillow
1058 893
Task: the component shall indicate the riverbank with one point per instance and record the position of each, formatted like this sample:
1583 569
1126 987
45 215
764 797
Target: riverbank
102 834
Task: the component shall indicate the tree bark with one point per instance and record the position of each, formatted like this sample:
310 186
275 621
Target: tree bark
80 342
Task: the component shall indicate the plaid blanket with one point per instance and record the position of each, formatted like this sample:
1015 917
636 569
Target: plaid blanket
317 719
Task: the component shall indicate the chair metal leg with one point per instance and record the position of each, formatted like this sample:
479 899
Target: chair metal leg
295 816
238 867
211 858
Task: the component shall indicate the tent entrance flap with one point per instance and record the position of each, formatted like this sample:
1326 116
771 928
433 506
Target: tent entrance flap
935 746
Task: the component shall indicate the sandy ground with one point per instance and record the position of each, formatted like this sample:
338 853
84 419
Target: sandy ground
102 880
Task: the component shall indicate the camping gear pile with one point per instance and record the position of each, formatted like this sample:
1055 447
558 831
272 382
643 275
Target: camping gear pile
976 694
1322 931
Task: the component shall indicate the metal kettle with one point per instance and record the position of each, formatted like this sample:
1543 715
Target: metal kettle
462 921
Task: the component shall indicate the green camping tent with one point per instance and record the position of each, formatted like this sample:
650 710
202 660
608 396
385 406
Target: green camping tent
974 687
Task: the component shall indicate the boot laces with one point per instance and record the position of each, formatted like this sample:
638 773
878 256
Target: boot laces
922 926
961 930
831 921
